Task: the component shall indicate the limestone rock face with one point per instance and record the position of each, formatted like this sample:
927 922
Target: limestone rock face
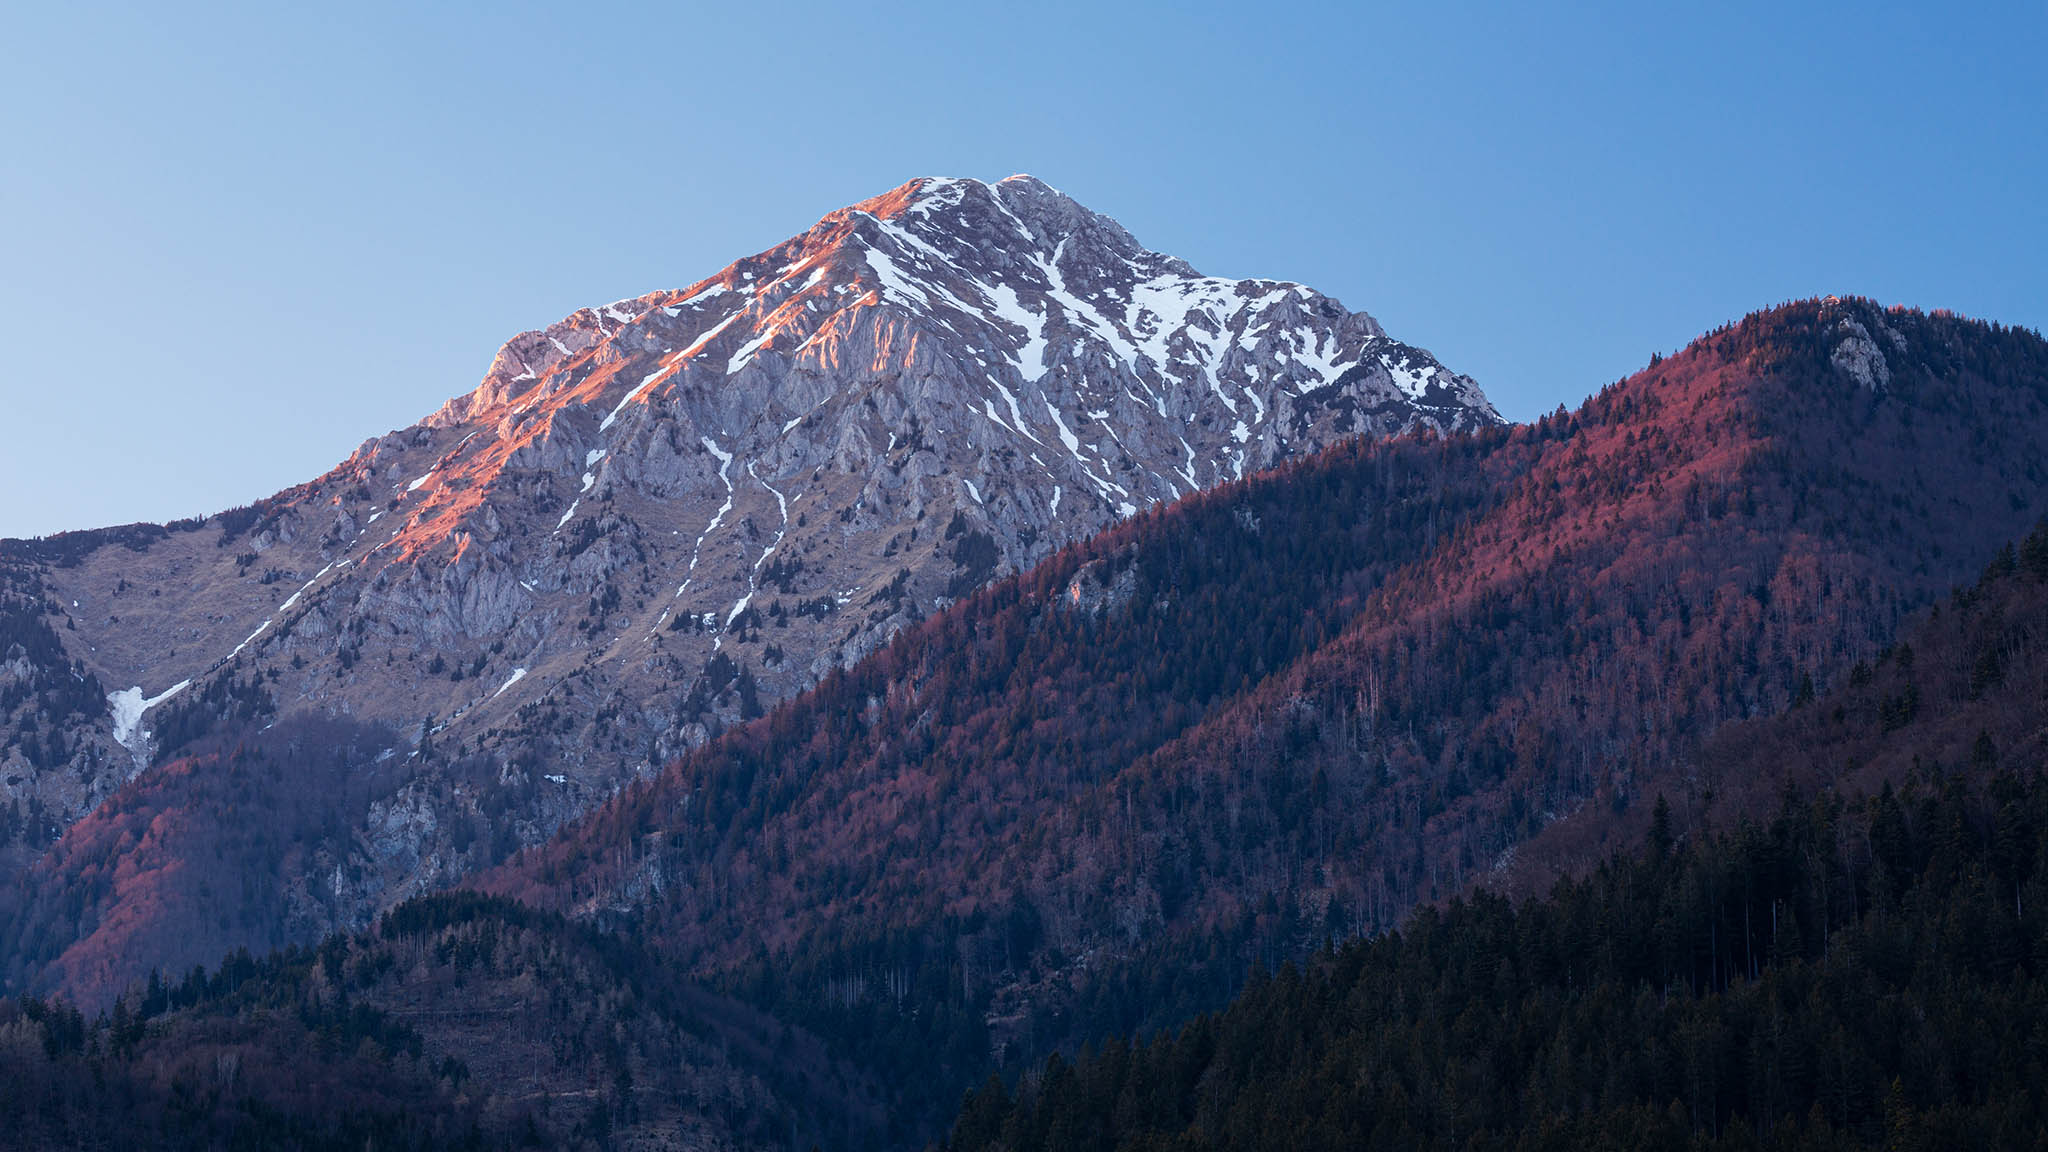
654 519
1858 353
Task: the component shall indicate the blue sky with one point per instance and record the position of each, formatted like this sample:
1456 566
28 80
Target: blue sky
236 242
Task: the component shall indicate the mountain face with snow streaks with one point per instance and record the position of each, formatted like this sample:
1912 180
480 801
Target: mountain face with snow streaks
656 518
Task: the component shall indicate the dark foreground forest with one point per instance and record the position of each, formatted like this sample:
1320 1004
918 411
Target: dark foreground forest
1846 976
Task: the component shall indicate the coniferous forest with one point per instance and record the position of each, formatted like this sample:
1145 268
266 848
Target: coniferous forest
1859 965
1862 974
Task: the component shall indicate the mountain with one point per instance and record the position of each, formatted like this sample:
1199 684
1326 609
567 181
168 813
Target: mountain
1700 543
649 522
1857 959
1869 941
1087 798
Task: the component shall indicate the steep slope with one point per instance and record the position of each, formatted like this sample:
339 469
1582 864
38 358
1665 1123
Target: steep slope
657 518
1230 739
1753 514
1963 690
1855 960
229 846
50 707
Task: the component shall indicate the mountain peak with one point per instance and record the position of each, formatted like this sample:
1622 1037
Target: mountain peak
1006 315
658 515
1006 266
1018 214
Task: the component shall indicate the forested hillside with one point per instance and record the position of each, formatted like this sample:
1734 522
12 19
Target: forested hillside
198 856
1856 969
458 1023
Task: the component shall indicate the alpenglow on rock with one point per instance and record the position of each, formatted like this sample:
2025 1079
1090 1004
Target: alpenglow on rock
655 518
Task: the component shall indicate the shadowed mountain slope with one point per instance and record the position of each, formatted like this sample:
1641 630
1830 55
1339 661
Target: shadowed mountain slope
1852 952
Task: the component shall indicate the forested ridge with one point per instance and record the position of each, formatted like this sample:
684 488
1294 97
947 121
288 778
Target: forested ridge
1851 969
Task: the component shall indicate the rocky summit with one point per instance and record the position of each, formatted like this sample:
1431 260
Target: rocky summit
655 519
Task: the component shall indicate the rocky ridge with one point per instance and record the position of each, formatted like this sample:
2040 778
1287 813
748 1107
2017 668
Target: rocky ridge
655 518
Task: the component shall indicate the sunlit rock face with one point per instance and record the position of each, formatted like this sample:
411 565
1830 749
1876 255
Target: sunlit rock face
654 519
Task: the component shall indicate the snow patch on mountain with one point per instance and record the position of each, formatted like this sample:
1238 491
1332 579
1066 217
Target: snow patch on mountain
128 707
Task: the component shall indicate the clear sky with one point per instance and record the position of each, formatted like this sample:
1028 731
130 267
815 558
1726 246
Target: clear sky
236 242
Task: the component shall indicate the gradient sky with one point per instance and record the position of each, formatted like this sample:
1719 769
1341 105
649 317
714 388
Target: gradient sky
235 243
